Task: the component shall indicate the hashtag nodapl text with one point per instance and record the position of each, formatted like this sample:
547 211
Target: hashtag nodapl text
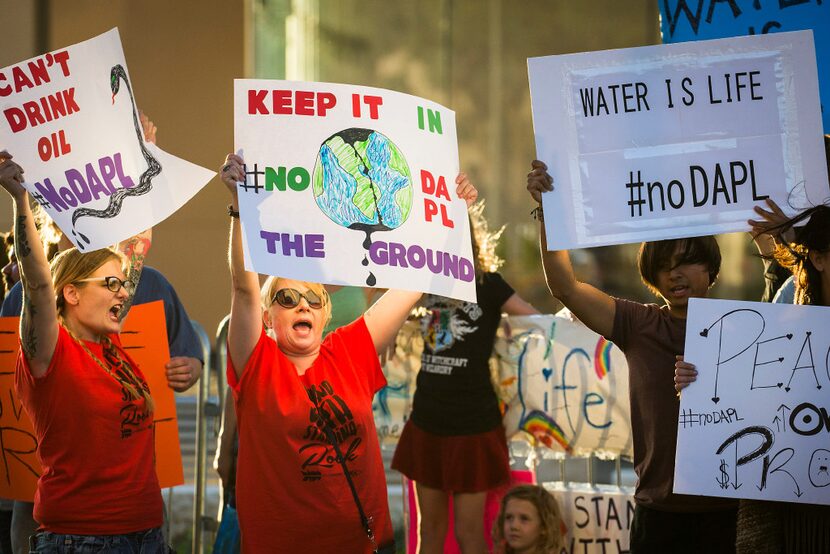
94 181
727 183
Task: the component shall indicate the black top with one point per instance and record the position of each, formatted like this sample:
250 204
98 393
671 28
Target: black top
454 395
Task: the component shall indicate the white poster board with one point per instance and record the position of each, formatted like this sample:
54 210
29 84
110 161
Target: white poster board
565 385
755 423
351 185
70 120
677 140
595 519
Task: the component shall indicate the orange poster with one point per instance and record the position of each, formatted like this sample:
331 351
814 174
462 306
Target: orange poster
144 336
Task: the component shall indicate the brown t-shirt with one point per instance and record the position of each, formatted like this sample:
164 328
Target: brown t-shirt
650 338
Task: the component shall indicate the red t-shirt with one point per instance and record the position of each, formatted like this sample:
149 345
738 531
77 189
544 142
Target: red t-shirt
292 495
96 449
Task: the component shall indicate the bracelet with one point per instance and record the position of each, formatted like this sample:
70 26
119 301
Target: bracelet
232 212
538 214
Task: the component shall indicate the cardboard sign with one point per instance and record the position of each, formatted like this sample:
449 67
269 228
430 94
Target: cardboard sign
595 519
682 20
70 120
677 140
565 385
144 337
351 185
755 424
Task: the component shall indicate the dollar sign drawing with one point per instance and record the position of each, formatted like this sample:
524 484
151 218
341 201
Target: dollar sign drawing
724 477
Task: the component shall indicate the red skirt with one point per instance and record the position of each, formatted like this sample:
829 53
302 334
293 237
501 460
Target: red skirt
454 464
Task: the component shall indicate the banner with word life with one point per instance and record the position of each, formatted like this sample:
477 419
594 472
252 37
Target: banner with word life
676 140
564 385
144 337
755 423
70 120
594 519
351 185
682 20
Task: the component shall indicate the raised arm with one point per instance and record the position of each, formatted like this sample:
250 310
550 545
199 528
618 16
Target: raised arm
136 248
39 318
386 316
592 306
246 312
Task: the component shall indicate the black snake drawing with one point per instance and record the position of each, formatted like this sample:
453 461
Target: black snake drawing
145 183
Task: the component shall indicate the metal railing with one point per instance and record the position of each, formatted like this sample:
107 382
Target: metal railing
208 410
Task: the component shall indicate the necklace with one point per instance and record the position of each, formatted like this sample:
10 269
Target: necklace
124 374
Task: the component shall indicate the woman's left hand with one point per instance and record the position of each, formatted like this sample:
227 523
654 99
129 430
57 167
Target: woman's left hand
465 189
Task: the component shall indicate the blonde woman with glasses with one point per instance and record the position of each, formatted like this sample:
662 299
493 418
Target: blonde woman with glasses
88 401
310 476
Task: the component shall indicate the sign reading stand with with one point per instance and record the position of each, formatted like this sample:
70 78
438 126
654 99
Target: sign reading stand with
755 423
70 120
351 185
677 140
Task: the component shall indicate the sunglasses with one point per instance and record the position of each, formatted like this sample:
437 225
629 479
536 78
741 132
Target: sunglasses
114 284
290 298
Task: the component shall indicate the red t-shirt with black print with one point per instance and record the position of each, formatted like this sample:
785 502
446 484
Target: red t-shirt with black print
292 494
95 445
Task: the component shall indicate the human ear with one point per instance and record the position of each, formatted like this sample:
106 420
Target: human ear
71 295
266 318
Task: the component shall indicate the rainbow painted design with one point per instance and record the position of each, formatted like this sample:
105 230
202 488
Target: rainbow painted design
545 429
602 357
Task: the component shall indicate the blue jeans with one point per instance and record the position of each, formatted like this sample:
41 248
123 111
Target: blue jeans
150 541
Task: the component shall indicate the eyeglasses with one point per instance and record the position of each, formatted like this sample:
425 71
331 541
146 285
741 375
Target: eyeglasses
290 298
113 283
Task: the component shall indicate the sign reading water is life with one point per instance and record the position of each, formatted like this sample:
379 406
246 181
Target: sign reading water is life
351 185
755 424
676 140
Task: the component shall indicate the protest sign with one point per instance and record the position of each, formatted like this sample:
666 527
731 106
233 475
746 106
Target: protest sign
676 140
70 120
20 469
682 20
595 519
561 383
144 337
755 423
351 185
565 385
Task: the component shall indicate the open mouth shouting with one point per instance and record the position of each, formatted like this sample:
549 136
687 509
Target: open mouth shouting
303 326
115 311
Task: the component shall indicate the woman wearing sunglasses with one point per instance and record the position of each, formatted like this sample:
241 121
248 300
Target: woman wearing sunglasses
88 401
304 408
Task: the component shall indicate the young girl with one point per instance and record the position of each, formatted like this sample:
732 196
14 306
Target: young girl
529 522
454 441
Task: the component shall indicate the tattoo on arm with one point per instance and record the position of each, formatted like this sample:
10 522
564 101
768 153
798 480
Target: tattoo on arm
135 250
28 338
21 247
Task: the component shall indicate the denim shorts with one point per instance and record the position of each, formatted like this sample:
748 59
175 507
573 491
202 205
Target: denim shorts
150 541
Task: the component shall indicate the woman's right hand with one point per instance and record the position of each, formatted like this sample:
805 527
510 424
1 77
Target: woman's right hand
232 172
538 180
11 176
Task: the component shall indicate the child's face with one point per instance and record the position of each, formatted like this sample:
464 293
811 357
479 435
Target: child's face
677 283
522 525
